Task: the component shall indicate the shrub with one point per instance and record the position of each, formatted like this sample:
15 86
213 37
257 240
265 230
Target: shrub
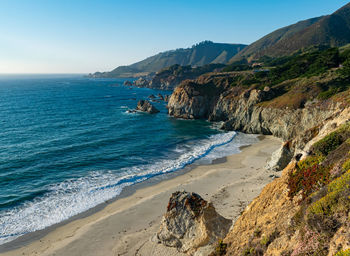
311 244
346 165
328 143
267 240
335 200
248 252
308 177
343 253
221 248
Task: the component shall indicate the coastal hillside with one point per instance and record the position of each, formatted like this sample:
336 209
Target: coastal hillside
332 30
200 54
306 211
304 100
170 77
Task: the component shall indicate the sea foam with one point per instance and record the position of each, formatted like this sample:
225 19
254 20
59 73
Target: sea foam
73 196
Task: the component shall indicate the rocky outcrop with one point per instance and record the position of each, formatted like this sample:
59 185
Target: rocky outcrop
127 83
243 109
141 82
280 158
190 223
146 106
276 223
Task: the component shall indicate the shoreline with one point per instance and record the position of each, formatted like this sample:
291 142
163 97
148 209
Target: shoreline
60 236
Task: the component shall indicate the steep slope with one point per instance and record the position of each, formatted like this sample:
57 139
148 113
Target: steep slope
332 30
306 211
200 54
257 48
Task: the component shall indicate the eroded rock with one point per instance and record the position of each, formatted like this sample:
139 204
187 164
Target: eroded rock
146 106
191 222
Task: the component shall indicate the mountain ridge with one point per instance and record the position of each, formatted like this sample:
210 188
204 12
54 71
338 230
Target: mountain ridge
203 53
331 30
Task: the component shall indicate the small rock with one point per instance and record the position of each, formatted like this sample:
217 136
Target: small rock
160 96
127 83
146 106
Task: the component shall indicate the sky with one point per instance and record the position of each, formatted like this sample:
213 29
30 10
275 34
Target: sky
83 36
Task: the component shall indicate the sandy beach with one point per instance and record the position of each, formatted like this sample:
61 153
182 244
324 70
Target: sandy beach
126 226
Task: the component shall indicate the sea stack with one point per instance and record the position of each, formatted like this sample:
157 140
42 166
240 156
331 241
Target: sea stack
146 106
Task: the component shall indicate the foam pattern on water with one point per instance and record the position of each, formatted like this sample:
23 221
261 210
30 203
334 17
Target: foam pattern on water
71 197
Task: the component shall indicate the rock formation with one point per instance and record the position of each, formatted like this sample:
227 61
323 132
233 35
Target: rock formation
141 82
242 109
278 223
127 83
146 106
191 222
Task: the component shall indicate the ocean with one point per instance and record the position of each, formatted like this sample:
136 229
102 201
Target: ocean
68 144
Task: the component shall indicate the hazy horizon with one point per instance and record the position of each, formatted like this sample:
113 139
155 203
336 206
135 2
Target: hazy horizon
60 37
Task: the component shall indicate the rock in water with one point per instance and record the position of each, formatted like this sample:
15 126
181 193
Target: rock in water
160 96
191 222
141 82
146 106
127 83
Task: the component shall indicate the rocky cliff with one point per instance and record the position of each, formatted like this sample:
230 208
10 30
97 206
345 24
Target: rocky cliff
306 211
217 97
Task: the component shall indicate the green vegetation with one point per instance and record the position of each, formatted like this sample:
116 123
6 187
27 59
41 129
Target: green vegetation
248 252
313 73
325 205
336 199
328 144
188 72
308 177
310 63
343 253
266 240
220 249
237 66
346 165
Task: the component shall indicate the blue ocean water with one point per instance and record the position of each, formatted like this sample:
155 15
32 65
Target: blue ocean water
68 144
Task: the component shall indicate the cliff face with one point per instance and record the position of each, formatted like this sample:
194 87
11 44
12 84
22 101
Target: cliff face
242 109
309 219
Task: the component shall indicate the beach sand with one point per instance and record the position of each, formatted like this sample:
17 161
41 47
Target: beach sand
126 226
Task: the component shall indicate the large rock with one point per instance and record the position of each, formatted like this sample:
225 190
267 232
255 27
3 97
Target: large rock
141 82
146 106
190 223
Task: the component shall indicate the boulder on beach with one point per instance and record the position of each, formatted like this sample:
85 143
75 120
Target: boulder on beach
190 223
146 106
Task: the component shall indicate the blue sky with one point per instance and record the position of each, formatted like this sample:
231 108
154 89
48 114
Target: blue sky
78 36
